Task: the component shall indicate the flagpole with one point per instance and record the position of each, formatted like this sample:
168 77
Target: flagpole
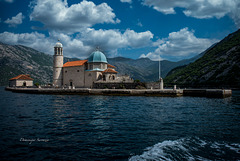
159 68
160 79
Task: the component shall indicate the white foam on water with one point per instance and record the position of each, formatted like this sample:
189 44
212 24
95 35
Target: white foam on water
190 149
158 151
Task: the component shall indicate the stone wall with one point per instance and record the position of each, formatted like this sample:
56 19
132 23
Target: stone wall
153 85
73 76
119 85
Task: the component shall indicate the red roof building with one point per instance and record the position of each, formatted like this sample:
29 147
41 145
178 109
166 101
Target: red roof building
22 77
21 80
110 66
75 63
109 70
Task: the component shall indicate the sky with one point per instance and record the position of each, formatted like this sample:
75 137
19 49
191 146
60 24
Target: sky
155 29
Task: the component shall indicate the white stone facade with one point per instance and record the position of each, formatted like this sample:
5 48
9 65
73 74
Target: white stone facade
74 76
20 83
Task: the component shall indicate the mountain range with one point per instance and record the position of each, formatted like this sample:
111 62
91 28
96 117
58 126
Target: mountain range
18 59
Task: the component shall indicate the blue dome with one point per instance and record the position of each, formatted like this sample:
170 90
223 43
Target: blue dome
97 56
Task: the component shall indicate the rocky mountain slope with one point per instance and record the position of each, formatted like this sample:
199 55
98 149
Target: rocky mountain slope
147 70
15 60
18 59
218 67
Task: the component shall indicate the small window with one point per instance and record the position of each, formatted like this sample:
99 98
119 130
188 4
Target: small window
89 74
77 70
65 71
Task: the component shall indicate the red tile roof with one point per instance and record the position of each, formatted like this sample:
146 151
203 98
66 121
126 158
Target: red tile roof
110 66
22 77
109 70
74 63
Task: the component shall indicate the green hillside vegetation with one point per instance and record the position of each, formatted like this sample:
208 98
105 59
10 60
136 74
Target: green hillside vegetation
218 67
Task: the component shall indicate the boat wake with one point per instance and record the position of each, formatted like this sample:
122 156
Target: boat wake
190 149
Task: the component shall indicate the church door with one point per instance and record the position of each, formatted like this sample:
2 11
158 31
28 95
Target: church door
71 83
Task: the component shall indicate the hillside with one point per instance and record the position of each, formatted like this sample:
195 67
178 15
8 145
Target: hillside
218 67
145 69
18 59
15 60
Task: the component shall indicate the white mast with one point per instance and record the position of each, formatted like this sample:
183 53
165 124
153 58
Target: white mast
159 68
160 79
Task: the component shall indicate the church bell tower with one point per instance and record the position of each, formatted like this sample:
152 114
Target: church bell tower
57 65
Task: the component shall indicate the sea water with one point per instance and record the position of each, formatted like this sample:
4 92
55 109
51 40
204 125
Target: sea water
77 127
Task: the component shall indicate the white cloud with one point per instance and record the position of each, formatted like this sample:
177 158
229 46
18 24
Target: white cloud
72 47
38 41
199 8
181 44
16 20
81 45
34 40
57 15
111 40
127 1
138 40
235 15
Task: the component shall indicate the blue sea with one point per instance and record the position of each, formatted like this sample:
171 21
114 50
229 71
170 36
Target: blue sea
77 127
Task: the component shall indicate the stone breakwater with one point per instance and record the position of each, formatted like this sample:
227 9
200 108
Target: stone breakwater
219 93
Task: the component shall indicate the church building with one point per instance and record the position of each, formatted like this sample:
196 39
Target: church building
83 73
